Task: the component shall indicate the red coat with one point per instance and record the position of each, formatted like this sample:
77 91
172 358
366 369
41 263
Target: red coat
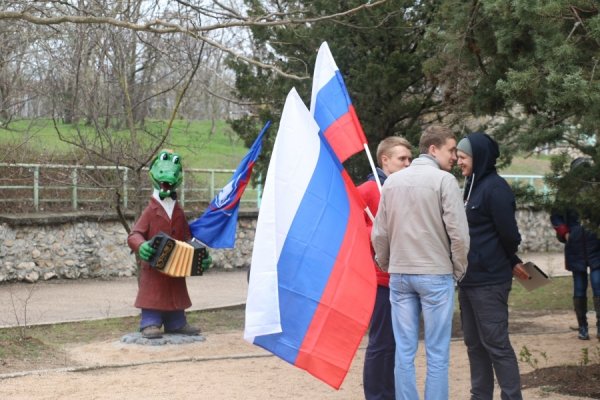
156 290
371 196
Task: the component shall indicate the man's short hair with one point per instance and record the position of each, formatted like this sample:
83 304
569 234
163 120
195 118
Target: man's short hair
436 135
386 145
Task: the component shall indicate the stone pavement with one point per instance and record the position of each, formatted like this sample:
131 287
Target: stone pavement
57 301
88 299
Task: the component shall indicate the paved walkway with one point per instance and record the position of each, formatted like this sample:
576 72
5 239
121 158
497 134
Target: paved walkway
87 299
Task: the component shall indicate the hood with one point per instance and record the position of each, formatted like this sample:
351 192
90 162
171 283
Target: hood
485 153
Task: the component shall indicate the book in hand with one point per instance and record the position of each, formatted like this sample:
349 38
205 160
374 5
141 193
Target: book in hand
537 277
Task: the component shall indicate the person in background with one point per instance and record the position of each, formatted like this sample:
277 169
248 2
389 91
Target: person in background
421 238
582 251
393 154
483 293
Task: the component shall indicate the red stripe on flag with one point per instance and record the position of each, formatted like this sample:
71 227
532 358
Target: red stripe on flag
345 308
240 188
346 136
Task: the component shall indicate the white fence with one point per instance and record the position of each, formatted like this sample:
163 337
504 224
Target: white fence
535 181
41 187
38 186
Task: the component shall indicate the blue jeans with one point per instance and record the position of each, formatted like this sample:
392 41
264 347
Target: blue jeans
434 296
580 282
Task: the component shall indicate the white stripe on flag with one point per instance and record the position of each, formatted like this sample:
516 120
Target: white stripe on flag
325 69
293 160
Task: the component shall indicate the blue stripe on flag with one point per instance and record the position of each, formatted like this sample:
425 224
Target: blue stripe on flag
308 255
331 102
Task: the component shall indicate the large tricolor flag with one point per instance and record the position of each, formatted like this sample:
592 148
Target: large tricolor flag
332 108
217 225
312 285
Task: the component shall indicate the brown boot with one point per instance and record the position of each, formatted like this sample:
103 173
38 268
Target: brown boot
152 332
187 329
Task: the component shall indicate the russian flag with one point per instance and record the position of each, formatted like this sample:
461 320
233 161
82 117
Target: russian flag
217 225
332 108
312 286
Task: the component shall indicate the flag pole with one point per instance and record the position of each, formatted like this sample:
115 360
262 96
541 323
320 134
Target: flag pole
369 213
367 209
372 166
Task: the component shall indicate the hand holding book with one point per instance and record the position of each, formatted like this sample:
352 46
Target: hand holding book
520 272
535 276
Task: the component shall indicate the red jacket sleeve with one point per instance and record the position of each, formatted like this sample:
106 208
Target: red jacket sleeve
371 196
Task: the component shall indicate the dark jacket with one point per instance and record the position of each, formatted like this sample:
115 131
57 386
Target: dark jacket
582 250
490 207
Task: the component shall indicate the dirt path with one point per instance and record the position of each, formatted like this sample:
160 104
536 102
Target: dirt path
226 367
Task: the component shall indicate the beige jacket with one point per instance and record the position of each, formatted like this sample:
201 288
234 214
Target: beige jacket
421 226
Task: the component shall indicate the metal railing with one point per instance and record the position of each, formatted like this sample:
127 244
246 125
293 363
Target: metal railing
535 181
23 183
33 184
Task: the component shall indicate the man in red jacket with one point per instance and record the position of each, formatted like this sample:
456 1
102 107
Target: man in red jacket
393 154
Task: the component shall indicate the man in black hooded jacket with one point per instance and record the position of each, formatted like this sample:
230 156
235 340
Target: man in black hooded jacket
492 260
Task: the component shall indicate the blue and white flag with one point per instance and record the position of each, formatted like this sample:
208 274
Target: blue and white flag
216 227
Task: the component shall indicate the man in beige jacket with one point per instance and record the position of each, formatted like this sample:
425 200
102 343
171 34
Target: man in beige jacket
421 237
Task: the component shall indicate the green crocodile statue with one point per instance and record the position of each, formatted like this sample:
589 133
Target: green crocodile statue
162 298
166 173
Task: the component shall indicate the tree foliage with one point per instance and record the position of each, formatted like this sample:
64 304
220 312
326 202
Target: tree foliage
533 67
525 71
379 52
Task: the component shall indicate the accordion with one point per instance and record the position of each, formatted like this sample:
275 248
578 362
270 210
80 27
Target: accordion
177 258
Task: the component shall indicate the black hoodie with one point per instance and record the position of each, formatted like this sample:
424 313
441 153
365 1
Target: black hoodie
490 207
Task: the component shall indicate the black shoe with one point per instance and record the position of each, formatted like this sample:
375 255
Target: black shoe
583 333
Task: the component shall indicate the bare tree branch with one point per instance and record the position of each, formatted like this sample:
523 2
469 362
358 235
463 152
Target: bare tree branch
177 104
199 32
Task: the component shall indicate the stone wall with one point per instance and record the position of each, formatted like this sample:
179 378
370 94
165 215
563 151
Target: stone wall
537 234
78 246
73 246
68 250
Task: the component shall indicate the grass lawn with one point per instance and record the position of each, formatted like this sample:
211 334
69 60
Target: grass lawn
558 295
221 149
200 143
199 147
532 165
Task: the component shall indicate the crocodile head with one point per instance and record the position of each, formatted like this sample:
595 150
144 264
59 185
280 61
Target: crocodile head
166 172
